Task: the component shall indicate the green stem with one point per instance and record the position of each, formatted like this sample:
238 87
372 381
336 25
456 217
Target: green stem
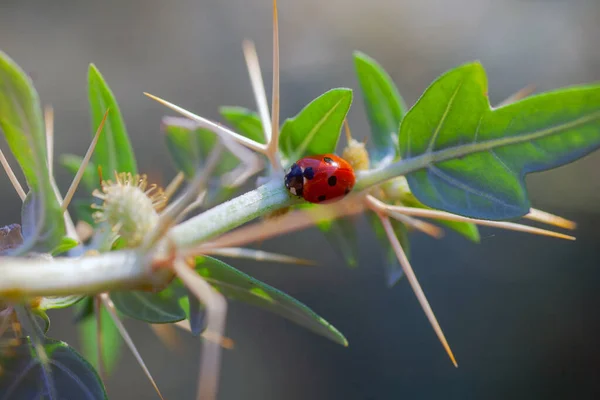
229 215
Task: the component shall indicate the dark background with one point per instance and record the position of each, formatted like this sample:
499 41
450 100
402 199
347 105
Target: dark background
519 311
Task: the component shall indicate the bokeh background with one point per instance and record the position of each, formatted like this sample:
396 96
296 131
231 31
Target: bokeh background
520 312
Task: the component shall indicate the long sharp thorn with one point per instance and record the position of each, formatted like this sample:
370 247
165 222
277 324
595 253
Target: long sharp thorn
425 227
84 164
218 129
49 121
414 283
12 177
274 143
550 219
435 214
258 87
224 342
110 307
174 184
216 310
258 255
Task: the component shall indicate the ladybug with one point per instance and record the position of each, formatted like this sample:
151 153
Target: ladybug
320 179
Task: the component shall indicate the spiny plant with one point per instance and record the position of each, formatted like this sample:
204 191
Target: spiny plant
143 252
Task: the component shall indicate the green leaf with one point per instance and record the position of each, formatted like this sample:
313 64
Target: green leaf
393 269
155 308
244 121
190 146
72 163
72 376
41 319
195 313
88 336
317 127
65 245
113 151
475 158
53 302
235 284
23 126
341 234
384 106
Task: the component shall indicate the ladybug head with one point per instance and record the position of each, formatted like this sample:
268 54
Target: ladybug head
294 180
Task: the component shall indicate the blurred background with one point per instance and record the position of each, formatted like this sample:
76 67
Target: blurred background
520 312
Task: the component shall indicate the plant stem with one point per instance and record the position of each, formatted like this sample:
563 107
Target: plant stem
229 215
29 277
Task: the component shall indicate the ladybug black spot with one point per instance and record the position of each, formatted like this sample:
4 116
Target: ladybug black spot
309 173
328 160
321 198
347 191
332 180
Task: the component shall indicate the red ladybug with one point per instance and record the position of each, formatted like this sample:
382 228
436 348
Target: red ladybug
320 179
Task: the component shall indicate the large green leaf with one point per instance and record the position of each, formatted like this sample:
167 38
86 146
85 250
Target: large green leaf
472 159
88 336
384 106
113 151
23 126
72 377
246 122
235 284
155 308
189 147
317 127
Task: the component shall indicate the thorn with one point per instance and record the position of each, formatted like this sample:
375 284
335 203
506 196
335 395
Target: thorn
550 219
347 131
216 311
414 283
273 146
12 177
258 255
84 163
167 335
110 307
224 342
174 185
258 87
100 177
425 213
218 129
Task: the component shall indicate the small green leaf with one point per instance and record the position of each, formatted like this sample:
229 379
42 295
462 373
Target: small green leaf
41 319
23 126
235 284
393 269
72 163
155 308
72 376
384 106
113 151
475 158
341 233
65 245
317 127
88 336
190 146
244 121
52 302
